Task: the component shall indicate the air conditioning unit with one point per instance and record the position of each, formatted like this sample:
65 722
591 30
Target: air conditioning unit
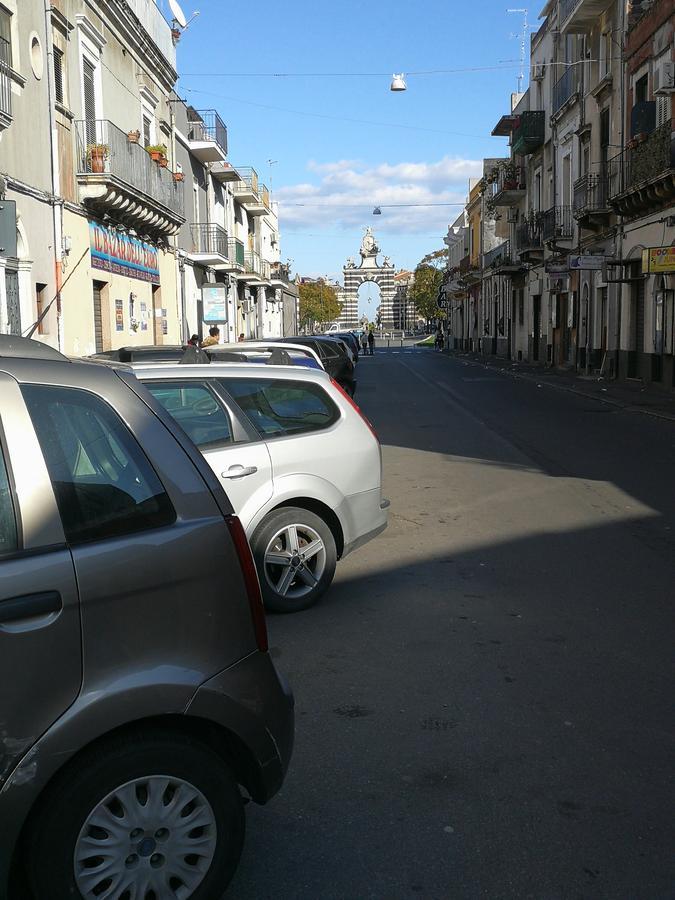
538 72
512 216
664 78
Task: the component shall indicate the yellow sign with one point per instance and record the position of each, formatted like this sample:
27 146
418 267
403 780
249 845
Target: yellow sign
658 259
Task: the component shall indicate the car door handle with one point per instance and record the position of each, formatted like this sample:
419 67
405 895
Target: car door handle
31 605
239 471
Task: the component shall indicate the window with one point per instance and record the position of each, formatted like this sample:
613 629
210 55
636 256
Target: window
605 54
5 37
58 76
662 110
196 410
8 536
104 485
279 408
641 89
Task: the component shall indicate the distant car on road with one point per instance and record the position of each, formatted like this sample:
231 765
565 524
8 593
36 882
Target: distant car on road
301 465
334 358
137 690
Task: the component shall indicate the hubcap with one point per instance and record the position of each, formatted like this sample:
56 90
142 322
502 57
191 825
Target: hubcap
295 560
151 838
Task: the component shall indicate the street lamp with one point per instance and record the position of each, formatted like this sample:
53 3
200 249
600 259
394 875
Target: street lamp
398 83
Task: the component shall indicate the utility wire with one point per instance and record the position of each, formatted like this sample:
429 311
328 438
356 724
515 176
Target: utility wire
378 205
345 74
32 329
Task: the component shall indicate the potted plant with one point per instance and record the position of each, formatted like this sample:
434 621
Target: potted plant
178 176
96 157
158 153
133 136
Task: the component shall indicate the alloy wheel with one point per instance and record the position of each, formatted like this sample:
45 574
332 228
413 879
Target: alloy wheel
295 560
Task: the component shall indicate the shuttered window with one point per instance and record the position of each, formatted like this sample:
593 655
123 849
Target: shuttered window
89 93
58 75
5 37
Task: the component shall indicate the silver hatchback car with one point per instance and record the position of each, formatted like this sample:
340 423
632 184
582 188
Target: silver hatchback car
136 690
299 461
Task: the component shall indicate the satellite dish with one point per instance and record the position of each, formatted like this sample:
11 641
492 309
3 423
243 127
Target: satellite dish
177 13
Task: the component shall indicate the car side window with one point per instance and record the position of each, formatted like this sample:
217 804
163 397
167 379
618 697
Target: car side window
194 406
104 484
8 535
278 408
327 352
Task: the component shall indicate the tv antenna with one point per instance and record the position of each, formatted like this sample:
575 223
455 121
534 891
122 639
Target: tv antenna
523 42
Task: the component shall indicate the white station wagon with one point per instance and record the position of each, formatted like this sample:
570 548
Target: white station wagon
300 463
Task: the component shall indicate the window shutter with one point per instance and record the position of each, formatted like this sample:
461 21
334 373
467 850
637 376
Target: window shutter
58 75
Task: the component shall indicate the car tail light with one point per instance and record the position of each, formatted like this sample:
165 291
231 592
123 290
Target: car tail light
356 407
250 580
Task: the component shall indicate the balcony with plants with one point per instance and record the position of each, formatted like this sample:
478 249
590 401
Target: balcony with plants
281 272
529 132
132 185
642 177
207 135
505 185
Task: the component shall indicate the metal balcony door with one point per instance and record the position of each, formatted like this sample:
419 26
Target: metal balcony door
98 316
13 305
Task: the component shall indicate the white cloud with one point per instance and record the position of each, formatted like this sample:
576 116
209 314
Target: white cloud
347 190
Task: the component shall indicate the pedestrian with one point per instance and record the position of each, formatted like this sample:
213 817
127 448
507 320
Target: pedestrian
440 340
241 338
364 342
194 341
371 341
213 338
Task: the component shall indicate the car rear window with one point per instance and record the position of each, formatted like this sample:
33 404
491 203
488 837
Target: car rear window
103 482
194 406
8 536
278 408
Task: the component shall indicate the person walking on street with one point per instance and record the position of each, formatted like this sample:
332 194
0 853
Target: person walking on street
371 341
440 339
364 343
213 338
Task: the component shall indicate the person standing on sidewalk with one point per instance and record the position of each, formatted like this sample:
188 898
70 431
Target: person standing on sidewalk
371 341
364 343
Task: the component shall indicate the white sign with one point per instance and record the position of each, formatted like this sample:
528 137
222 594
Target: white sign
214 298
586 262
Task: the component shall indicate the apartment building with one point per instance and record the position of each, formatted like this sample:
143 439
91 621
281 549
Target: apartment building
582 276
403 309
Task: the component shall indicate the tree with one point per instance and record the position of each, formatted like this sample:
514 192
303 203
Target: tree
318 303
424 291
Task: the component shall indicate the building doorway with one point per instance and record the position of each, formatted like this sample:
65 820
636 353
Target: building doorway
101 320
158 320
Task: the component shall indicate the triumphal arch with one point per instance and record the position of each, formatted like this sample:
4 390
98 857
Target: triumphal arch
369 270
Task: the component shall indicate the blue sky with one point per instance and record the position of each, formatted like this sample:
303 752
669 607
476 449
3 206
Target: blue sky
336 132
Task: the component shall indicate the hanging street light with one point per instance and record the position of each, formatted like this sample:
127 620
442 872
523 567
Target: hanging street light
398 83
377 211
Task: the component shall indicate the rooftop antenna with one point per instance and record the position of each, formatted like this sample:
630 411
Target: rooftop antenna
523 42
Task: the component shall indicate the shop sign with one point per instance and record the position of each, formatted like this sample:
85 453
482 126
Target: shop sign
556 268
586 262
122 254
658 259
119 315
214 299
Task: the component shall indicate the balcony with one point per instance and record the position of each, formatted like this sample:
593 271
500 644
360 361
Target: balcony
507 187
529 234
500 260
529 132
557 224
590 203
256 269
253 196
224 172
209 246
236 255
642 177
565 89
580 16
207 135
5 84
280 273
118 178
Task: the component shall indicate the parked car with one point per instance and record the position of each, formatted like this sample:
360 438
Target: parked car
334 359
349 338
301 464
136 690
249 351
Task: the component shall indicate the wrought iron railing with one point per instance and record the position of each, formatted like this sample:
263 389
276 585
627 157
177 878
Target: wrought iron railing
529 233
508 177
5 80
103 148
497 256
205 125
208 237
557 223
565 88
646 161
252 263
529 133
235 251
589 194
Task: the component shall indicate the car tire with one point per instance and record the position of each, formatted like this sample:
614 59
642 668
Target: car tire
290 580
140 786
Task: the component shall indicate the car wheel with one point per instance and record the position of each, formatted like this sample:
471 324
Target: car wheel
295 555
147 817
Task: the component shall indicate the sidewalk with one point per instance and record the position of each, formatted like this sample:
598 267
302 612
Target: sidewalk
633 396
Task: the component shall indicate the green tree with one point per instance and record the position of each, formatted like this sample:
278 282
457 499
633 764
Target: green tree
424 291
318 303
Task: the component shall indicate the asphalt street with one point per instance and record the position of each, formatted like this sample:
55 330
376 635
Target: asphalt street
484 697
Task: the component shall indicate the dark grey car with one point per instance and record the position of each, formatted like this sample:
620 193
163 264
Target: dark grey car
136 690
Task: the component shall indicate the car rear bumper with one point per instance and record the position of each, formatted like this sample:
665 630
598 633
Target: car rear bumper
365 515
253 701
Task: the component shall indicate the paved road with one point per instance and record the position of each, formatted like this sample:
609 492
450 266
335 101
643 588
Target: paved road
484 698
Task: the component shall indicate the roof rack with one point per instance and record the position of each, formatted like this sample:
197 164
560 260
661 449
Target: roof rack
11 345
